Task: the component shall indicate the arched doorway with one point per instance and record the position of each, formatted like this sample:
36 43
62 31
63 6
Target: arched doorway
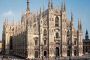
57 52
45 53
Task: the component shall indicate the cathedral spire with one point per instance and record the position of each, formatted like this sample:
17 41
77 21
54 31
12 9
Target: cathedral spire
50 4
72 19
40 10
6 21
64 7
40 13
79 25
28 8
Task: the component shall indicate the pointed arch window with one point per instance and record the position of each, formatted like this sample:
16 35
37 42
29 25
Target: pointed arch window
57 21
75 52
45 53
45 32
57 35
45 42
36 54
36 40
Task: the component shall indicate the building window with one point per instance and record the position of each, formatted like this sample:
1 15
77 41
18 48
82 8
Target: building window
36 42
74 52
68 52
45 53
75 42
11 43
36 54
68 33
57 51
56 22
68 42
86 49
57 35
45 32
44 42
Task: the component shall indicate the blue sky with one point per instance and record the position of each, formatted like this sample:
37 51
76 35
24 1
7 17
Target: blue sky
12 9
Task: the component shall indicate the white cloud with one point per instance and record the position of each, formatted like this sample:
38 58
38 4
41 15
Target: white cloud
8 13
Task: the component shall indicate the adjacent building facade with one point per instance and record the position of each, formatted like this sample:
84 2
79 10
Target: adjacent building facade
86 44
47 34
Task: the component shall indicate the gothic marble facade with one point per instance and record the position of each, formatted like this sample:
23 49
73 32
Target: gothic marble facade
46 34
